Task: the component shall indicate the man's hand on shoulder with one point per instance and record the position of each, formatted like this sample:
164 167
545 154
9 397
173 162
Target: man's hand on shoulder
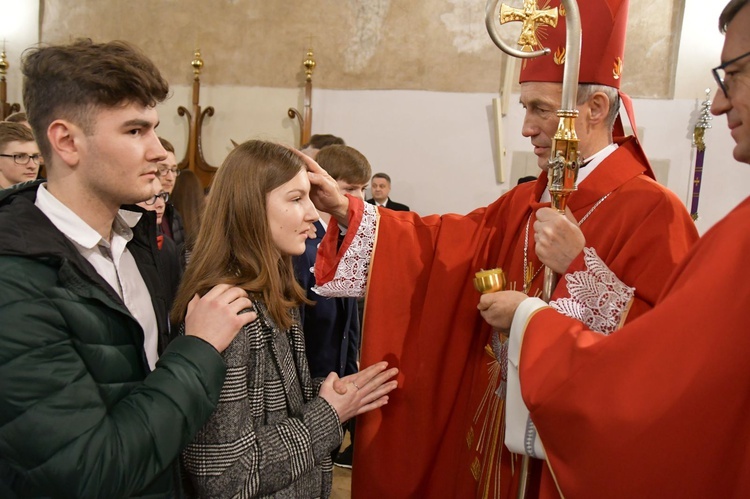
215 317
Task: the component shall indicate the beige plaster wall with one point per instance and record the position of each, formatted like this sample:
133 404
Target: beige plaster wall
437 45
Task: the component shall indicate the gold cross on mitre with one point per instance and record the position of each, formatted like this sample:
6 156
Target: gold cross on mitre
532 17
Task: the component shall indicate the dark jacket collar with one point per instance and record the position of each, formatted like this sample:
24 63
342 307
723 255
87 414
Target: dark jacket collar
26 231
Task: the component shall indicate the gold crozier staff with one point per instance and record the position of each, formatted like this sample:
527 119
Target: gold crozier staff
564 161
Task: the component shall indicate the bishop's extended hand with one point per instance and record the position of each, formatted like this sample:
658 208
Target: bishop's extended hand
324 191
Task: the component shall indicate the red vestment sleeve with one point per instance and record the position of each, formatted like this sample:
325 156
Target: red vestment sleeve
659 409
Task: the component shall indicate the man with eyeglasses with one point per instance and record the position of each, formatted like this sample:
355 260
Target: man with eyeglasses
659 409
167 254
171 224
19 155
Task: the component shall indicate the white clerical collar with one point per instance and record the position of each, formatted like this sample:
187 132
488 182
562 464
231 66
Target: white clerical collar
595 160
591 163
73 226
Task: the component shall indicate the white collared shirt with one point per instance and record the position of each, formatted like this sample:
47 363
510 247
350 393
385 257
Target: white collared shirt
111 260
591 163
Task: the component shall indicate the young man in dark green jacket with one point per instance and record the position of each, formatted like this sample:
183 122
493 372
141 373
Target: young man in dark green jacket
88 408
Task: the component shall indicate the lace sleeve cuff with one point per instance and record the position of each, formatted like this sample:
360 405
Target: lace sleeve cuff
350 279
597 297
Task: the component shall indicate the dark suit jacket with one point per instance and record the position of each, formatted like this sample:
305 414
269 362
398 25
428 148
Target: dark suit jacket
392 205
331 326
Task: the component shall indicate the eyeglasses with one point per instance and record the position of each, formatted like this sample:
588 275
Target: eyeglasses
164 170
720 74
163 195
23 158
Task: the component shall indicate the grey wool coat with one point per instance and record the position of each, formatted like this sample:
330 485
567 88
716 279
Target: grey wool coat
270 435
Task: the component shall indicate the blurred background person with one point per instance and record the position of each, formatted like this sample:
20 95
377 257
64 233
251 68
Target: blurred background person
318 142
171 224
19 154
20 118
165 250
189 200
381 190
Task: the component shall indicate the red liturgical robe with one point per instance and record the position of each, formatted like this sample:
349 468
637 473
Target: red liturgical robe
662 407
437 437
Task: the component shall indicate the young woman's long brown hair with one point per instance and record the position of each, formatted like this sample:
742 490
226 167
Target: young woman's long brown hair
234 242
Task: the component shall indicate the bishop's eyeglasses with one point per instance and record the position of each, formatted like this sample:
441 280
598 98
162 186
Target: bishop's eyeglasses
23 158
163 195
720 73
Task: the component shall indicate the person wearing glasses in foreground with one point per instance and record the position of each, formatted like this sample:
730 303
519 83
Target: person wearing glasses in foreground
659 409
275 427
19 155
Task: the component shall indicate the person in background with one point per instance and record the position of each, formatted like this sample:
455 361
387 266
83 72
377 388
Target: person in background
171 224
276 426
19 154
168 258
381 190
189 200
318 142
20 118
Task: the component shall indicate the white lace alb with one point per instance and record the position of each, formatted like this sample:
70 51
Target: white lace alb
350 279
597 297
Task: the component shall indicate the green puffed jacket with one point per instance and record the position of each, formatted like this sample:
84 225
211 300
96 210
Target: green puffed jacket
80 413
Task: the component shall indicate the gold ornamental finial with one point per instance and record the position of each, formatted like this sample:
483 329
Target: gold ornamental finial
703 123
532 17
4 65
309 64
197 64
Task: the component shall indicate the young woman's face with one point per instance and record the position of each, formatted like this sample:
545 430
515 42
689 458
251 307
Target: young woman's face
291 214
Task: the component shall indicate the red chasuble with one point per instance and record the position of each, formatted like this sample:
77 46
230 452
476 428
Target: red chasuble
439 435
662 407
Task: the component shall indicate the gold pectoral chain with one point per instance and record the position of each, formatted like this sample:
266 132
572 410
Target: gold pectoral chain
528 268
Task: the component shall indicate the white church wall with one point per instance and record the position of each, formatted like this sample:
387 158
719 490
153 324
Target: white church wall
437 146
